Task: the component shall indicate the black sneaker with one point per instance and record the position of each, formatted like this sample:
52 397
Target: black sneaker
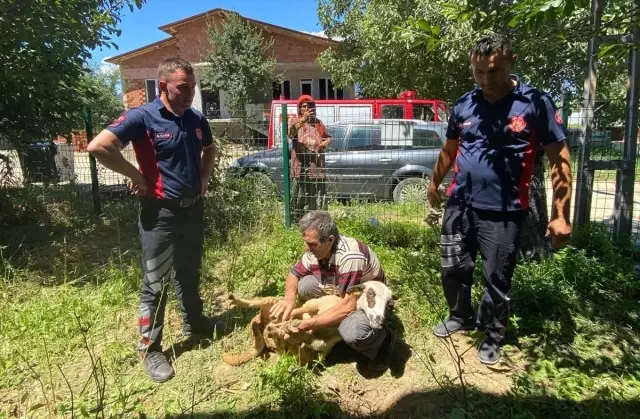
205 328
451 326
157 367
489 351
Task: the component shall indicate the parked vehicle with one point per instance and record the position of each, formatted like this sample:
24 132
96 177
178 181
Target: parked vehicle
385 159
338 110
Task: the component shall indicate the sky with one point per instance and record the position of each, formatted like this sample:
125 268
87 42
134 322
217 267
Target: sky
140 28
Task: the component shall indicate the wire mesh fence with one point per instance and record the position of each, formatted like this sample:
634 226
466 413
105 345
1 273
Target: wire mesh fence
374 168
600 176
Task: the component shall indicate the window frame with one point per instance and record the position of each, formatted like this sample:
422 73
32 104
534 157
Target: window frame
146 89
306 81
401 107
369 127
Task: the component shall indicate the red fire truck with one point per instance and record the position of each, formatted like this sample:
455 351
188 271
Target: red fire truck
333 110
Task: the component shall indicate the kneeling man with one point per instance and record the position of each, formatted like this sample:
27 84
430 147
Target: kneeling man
333 259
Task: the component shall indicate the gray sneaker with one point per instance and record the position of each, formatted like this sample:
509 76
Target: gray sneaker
489 351
451 326
157 367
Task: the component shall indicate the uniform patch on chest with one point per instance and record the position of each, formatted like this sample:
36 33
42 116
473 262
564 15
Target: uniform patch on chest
199 134
517 124
163 136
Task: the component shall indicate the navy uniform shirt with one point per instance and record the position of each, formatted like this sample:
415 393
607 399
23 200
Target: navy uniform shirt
498 144
168 148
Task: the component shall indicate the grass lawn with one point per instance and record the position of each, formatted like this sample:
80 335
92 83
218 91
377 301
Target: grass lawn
69 303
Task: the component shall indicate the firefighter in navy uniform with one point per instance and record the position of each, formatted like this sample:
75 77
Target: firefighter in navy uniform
175 151
494 133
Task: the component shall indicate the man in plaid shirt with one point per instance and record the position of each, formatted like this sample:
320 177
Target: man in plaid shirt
334 259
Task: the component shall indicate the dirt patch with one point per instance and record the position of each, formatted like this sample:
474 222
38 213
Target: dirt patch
495 379
418 393
360 396
410 403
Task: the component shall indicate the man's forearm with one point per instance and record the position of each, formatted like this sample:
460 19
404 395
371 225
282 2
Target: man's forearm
562 187
443 164
560 158
208 162
112 158
291 287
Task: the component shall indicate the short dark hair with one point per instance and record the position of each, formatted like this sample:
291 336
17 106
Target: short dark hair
173 64
493 44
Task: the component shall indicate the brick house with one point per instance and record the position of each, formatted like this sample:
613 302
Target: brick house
295 54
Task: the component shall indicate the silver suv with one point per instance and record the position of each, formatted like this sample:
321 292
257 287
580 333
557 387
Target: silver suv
380 159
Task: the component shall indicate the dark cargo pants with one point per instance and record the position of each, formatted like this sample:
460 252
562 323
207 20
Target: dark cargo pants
170 237
496 234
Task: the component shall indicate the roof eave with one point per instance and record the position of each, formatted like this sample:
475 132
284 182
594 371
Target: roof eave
170 28
118 59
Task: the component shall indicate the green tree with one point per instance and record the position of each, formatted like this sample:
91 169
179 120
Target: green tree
550 37
380 59
100 91
240 61
391 45
43 49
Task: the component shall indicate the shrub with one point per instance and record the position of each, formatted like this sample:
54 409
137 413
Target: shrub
293 389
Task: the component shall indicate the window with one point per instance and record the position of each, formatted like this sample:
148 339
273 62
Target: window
151 88
259 96
397 134
336 133
305 86
426 138
286 89
442 114
365 137
327 91
392 112
339 93
326 113
211 102
282 89
354 112
423 112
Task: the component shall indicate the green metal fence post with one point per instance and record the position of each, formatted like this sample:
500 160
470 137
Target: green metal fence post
285 167
88 126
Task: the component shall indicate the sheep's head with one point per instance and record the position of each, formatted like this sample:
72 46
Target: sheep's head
374 299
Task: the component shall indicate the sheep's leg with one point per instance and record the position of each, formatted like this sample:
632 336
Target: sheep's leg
258 345
253 303
310 307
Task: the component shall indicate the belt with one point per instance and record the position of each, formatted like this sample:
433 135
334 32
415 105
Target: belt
174 203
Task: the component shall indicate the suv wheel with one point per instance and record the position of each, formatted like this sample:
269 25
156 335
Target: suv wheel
262 183
412 189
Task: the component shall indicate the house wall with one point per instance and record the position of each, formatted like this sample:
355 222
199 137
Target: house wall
295 76
192 42
137 69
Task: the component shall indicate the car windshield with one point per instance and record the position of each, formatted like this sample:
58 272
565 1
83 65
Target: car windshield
336 132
